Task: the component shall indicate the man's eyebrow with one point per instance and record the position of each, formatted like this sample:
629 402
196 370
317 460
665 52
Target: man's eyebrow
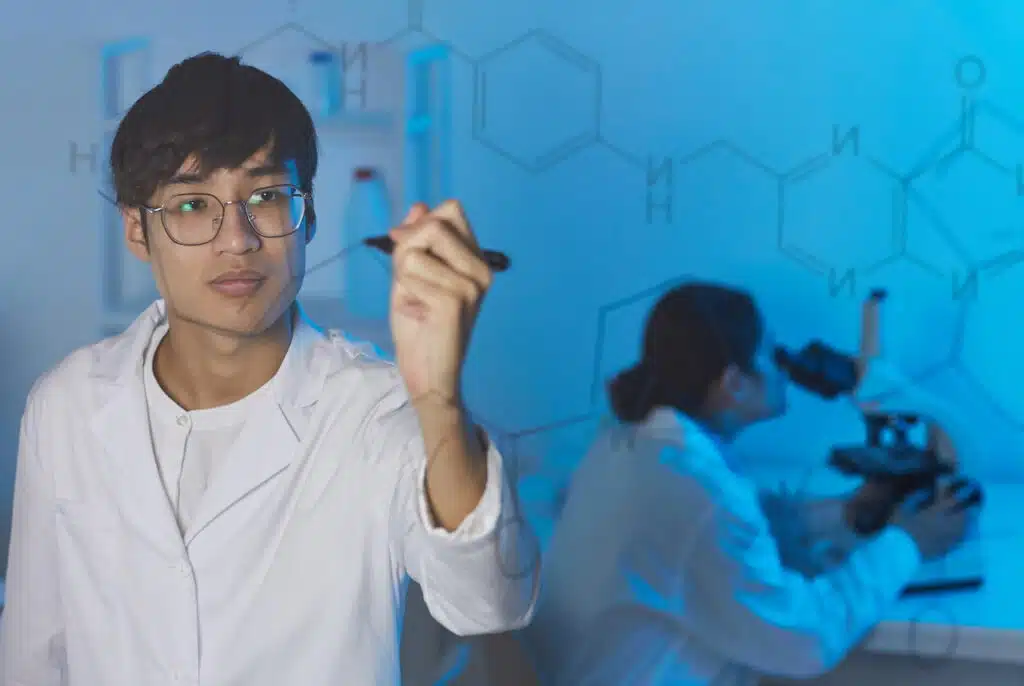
191 178
265 170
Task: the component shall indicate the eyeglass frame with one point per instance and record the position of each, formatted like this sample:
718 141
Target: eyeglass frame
306 213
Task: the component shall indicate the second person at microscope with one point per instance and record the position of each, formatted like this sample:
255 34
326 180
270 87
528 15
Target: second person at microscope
664 568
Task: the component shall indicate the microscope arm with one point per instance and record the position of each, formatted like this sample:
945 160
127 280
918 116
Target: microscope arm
884 388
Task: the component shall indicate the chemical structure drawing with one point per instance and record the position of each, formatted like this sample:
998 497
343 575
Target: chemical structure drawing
416 29
507 97
975 197
518 524
502 87
805 241
620 325
985 333
955 184
855 232
284 30
341 69
893 190
661 173
545 458
613 353
829 243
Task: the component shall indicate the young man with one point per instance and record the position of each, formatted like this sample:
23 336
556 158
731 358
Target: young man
665 567
223 494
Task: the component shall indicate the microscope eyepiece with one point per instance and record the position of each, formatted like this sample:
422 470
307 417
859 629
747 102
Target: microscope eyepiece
783 358
819 369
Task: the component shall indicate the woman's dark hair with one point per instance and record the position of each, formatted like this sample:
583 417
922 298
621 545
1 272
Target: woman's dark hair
221 111
694 332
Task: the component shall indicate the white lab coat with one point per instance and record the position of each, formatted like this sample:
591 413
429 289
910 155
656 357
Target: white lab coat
663 571
294 570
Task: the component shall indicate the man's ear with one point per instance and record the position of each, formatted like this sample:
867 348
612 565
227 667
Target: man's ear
135 233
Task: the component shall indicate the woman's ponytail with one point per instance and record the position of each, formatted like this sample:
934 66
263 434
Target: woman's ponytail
631 394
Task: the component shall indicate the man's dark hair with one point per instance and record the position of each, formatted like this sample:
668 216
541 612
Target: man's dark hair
694 333
221 111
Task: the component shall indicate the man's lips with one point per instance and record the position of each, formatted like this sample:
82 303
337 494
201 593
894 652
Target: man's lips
239 283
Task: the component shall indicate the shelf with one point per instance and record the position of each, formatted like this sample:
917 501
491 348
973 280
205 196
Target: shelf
355 121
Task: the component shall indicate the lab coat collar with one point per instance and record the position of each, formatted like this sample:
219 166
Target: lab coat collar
121 423
119 360
668 425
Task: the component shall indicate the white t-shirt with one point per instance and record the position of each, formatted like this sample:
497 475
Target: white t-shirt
189 445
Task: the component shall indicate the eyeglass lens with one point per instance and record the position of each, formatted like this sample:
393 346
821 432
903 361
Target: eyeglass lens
195 218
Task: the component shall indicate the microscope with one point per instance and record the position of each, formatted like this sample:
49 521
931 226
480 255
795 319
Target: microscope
888 453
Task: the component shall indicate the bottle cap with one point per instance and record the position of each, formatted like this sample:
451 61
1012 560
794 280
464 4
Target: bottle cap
321 57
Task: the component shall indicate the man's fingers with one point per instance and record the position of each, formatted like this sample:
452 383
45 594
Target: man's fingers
426 267
409 224
440 239
451 211
417 212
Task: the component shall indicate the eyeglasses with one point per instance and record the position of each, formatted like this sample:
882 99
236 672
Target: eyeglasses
195 218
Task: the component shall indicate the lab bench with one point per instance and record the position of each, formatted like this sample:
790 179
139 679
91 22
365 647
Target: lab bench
953 638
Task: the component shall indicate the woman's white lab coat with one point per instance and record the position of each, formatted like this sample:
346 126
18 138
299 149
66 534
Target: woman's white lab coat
663 570
293 571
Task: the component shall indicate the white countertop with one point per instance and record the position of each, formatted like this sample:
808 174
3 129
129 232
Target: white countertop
986 624
983 624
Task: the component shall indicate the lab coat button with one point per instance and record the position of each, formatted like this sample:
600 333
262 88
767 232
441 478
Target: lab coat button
183 420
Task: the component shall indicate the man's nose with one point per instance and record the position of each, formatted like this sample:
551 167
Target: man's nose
236 234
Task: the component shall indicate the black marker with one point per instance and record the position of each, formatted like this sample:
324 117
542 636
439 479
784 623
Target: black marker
497 261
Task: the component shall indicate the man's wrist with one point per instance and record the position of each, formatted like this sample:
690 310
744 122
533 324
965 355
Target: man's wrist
446 419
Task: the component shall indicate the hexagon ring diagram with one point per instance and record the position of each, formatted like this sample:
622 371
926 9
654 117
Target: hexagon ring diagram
842 210
620 332
537 101
286 52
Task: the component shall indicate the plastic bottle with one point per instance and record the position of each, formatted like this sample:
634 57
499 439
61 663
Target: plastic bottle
328 78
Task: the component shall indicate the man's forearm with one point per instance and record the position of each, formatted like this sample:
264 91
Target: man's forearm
456 462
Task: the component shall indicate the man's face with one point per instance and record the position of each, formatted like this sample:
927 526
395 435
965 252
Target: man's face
239 283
